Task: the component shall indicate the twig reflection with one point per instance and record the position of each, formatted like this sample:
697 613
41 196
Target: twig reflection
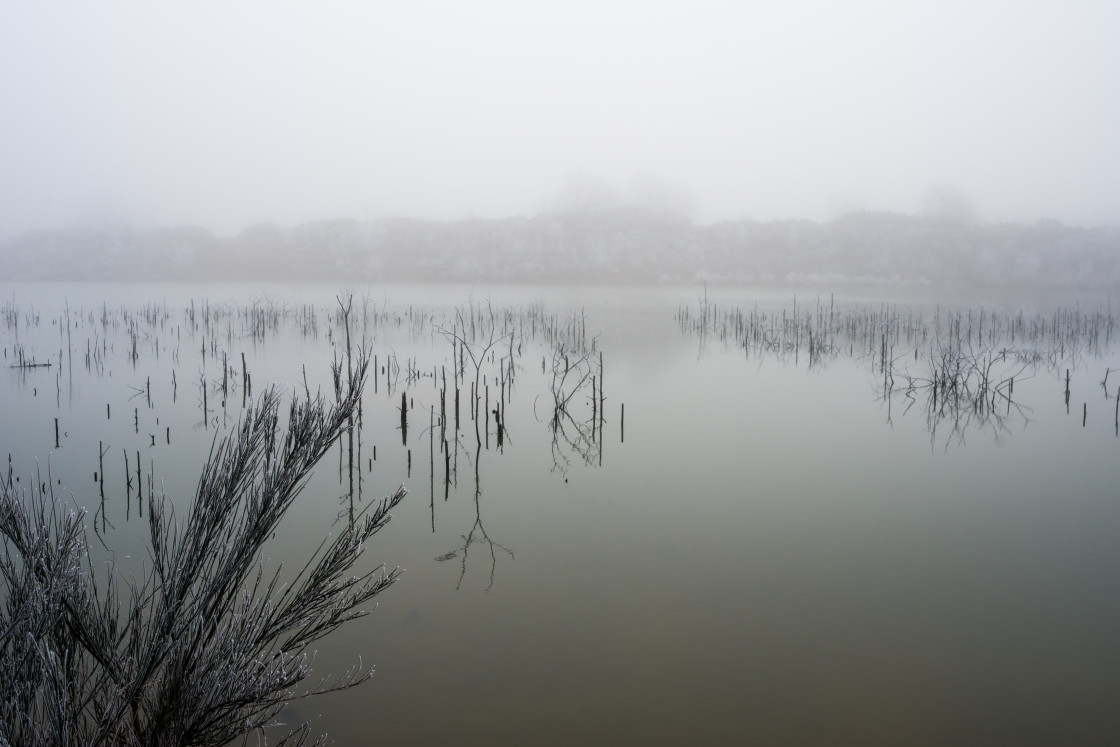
477 534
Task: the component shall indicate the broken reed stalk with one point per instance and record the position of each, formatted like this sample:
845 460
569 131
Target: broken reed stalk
404 418
498 424
446 469
206 648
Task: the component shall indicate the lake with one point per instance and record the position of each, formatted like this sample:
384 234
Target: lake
758 519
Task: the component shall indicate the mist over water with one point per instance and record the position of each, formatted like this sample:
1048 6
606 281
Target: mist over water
224 117
826 290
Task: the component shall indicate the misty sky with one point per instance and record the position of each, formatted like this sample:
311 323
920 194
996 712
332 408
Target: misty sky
225 114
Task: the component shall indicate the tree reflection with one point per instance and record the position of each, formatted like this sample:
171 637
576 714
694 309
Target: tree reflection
572 373
476 535
953 418
962 388
572 439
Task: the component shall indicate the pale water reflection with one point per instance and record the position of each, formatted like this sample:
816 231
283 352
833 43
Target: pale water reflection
776 552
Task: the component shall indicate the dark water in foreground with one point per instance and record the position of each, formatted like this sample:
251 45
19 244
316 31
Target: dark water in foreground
740 546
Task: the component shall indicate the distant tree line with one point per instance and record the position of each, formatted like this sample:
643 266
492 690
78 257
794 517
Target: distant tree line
613 244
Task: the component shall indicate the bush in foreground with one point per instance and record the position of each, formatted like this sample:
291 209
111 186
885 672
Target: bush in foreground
206 647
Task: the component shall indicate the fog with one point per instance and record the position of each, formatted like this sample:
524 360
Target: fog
225 115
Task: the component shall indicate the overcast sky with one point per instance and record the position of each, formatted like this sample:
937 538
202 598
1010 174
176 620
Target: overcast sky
224 114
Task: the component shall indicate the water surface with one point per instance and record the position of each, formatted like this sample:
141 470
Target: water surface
731 546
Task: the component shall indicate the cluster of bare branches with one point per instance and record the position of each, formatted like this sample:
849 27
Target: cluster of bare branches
963 375
964 385
573 372
206 646
962 364
478 338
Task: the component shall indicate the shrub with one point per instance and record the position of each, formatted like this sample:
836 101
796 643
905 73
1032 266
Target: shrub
206 647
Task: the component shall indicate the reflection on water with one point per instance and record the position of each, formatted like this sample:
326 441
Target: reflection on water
774 554
477 534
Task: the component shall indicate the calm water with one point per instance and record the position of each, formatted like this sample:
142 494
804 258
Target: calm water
739 547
